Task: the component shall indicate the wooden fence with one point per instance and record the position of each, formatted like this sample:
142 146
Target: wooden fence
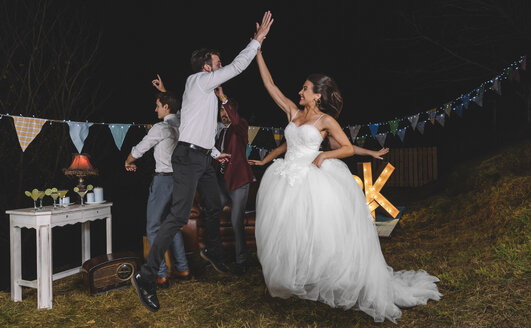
414 167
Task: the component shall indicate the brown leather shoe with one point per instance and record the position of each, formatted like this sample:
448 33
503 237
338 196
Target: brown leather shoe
163 282
185 275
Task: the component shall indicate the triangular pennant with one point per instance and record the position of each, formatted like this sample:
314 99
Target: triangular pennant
27 129
413 120
496 86
440 119
277 134
252 132
393 125
466 101
354 130
448 108
262 153
431 114
523 64
459 110
381 138
374 129
478 99
118 133
420 126
78 133
248 151
402 133
360 141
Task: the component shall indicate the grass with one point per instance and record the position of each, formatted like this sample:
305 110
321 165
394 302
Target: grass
471 229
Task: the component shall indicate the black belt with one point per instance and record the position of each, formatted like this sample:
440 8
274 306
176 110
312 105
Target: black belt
164 174
195 147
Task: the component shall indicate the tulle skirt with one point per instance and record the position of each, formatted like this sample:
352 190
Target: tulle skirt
316 240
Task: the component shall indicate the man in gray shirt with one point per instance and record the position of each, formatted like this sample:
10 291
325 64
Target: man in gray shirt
191 162
162 137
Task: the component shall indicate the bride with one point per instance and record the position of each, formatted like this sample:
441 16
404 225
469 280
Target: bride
314 233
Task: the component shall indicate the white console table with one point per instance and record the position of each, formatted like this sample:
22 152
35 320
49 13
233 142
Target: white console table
43 221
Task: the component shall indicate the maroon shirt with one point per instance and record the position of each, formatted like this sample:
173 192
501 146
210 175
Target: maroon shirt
238 172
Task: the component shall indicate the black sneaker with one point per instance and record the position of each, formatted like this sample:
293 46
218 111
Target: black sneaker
217 265
147 293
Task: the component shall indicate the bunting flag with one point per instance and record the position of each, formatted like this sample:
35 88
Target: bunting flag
420 126
252 132
478 99
440 119
402 133
78 133
413 120
27 129
277 134
381 138
248 151
262 152
431 113
374 129
466 101
448 108
118 133
360 141
354 130
393 125
496 86
459 110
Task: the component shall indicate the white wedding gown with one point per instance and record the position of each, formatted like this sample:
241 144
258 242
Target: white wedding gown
316 238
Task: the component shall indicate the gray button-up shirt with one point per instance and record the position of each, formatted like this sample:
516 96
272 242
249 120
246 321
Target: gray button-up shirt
163 136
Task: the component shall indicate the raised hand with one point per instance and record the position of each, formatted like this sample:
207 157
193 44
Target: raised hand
263 29
219 93
157 83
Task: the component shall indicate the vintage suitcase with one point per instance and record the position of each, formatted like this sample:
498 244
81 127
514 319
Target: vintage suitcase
109 272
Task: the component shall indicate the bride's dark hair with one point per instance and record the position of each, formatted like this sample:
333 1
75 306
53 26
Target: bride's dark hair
331 99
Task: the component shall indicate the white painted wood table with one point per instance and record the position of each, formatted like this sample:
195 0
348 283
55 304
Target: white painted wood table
43 221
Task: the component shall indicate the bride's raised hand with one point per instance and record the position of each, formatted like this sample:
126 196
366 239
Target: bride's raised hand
263 29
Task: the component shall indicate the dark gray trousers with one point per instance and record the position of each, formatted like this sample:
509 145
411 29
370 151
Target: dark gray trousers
191 170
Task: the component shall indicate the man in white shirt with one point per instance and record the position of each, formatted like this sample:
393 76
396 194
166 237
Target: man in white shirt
162 137
191 162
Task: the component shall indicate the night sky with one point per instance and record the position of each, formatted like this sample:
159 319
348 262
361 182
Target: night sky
356 43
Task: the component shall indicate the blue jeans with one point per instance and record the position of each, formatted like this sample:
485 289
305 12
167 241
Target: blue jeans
160 195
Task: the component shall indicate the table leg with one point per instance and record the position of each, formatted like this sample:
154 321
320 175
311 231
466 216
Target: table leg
85 241
44 267
16 263
109 234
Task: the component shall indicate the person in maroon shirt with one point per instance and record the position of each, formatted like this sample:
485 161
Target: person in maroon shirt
235 176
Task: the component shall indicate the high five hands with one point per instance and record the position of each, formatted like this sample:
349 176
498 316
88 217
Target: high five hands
263 29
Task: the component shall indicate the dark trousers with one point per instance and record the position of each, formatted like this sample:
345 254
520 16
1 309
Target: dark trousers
191 170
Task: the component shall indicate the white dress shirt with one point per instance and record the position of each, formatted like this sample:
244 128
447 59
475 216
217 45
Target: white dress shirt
199 109
163 136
